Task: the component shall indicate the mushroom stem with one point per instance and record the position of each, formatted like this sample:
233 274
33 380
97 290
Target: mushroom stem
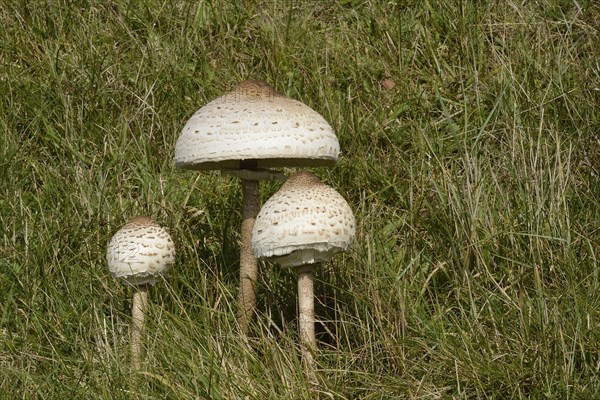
138 311
248 263
306 310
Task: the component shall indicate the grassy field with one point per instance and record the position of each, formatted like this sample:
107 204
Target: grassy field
475 181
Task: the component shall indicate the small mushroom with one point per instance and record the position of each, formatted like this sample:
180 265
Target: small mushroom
139 254
304 223
246 132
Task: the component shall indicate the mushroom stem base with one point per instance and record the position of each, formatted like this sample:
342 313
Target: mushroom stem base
306 318
138 311
248 263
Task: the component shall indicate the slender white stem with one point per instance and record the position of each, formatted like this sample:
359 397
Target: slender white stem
306 319
248 263
138 311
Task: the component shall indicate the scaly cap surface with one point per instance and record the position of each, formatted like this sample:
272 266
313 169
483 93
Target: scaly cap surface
140 252
255 122
304 222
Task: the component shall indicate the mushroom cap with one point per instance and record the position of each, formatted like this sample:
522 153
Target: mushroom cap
140 252
255 122
304 222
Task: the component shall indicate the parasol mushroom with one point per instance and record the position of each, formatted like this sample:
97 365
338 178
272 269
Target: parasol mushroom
303 224
139 254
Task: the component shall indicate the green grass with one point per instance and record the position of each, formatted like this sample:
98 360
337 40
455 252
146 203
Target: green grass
475 183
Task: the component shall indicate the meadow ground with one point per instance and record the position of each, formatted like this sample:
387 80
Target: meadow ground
474 180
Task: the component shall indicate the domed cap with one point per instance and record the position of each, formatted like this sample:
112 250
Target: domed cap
140 252
304 222
254 122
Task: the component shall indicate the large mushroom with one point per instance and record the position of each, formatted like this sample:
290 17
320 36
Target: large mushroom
245 133
304 223
139 254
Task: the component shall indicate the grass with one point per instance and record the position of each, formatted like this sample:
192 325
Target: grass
474 180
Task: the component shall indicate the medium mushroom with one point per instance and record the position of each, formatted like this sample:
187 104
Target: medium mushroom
245 132
304 223
139 254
